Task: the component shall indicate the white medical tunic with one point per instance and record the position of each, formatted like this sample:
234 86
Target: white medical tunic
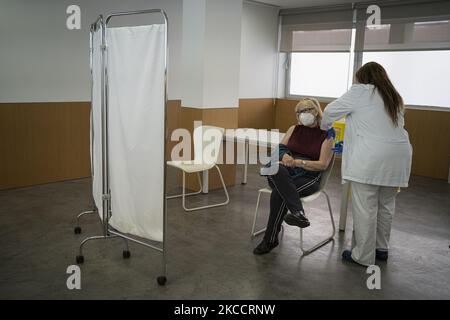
375 150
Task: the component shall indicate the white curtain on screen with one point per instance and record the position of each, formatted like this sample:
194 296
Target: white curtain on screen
136 130
96 123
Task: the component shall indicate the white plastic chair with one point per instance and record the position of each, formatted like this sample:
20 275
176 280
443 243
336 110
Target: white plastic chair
202 141
323 182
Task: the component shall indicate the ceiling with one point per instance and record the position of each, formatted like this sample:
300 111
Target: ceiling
305 3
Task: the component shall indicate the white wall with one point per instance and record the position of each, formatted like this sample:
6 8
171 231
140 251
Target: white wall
258 51
42 61
193 52
211 53
222 53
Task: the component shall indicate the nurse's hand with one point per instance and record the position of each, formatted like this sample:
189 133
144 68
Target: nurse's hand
287 160
331 134
338 147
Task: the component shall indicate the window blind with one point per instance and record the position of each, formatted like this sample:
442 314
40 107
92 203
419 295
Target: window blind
317 29
407 26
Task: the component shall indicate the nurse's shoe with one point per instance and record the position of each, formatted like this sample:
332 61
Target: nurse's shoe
296 219
381 255
347 256
265 247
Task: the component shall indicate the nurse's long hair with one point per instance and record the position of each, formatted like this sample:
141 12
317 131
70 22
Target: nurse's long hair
374 73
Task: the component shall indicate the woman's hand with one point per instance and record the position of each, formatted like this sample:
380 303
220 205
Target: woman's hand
288 161
298 163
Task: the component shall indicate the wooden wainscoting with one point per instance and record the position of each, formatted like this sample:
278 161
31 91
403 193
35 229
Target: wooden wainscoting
49 141
43 142
173 119
285 114
429 133
256 113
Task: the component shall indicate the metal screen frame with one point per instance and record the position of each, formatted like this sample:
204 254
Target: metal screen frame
107 231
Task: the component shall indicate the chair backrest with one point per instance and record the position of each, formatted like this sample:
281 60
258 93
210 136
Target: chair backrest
207 142
326 173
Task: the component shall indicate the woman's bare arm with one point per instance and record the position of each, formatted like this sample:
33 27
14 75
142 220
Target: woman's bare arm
324 159
287 135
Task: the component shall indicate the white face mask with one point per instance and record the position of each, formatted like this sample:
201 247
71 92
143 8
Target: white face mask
307 119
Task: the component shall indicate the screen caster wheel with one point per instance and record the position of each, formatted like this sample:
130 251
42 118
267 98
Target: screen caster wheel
161 280
80 259
77 230
126 254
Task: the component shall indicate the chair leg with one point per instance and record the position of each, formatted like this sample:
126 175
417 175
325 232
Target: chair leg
191 193
223 185
253 233
326 240
207 206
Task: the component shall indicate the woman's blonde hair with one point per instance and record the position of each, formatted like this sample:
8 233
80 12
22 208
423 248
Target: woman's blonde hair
309 103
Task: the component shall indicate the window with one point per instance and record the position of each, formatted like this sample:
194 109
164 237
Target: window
412 43
320 74
421 77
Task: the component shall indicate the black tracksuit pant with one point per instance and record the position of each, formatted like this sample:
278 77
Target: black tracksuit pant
286 193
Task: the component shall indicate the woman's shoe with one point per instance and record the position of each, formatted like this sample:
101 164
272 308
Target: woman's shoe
296 219
265 247
381 255
347 256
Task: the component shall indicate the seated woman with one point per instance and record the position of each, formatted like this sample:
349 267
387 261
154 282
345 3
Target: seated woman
305 151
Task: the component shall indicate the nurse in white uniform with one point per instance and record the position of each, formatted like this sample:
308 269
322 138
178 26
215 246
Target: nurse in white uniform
376 159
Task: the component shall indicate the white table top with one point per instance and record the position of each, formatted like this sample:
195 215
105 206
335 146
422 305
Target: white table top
254 136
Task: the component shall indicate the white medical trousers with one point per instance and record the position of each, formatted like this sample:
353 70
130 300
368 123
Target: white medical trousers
373 208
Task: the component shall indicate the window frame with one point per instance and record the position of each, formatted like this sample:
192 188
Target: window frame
357 63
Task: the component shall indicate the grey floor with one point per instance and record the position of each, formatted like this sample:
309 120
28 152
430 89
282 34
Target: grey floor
210 252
